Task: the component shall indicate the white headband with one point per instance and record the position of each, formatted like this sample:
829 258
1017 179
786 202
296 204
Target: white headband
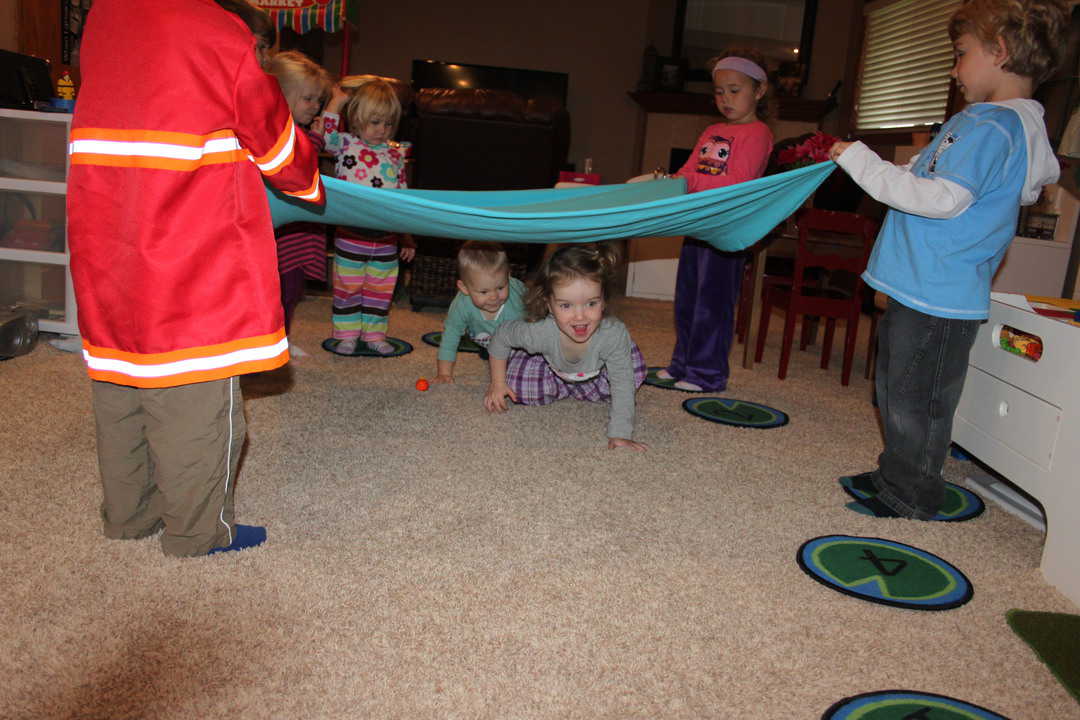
746 67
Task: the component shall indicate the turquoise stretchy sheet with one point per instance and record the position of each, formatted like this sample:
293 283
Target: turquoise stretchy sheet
730 218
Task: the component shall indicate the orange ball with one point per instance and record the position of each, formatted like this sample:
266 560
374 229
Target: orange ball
422 385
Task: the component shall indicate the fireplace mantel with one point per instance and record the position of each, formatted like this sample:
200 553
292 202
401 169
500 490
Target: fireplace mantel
691 103
676 103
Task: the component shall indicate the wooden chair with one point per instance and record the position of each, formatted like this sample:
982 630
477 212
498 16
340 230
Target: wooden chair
831 245
774 266
745 305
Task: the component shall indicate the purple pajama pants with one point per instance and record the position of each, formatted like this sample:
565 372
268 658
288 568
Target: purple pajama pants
706 292
534 382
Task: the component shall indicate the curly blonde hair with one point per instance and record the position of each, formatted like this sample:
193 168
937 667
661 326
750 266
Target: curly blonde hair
1032 30
592 261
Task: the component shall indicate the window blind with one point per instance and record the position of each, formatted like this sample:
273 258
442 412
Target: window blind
907 56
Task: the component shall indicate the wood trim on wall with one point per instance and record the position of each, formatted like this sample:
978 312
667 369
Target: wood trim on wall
9 25
691 103
39 35
852 70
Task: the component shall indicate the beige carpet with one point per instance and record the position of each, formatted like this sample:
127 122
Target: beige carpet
428 560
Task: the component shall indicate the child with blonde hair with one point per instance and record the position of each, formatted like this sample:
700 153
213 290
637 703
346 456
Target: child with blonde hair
305 84
301 246
487 297
365 261
953 213
567 345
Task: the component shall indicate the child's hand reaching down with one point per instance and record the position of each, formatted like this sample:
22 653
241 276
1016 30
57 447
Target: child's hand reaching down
444 373
407 248
613 443
495 399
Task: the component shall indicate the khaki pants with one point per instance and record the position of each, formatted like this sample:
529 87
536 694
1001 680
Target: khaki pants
168 459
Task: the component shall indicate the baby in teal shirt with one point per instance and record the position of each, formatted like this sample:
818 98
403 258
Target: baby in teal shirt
487 297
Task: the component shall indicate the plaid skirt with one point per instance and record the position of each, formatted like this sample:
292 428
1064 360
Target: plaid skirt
535 383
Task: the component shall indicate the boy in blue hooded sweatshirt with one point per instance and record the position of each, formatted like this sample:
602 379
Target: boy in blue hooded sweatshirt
953 213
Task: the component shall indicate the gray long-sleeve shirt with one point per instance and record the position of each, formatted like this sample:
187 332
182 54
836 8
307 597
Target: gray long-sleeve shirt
609 347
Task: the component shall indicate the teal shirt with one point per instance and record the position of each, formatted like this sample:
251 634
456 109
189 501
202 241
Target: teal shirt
464 318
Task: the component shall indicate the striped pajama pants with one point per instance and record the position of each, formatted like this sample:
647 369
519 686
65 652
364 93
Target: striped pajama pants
365 273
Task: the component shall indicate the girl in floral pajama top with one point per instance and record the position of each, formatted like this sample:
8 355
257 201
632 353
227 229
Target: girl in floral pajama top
366 261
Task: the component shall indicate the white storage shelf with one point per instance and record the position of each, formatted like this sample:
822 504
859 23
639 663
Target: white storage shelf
34 258
1033 267
1022 418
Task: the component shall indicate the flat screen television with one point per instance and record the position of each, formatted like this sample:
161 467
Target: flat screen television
530 84
24 81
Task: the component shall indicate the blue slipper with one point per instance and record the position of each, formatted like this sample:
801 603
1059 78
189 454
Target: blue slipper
244 536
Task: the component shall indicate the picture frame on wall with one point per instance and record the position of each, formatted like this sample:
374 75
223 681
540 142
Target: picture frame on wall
783 32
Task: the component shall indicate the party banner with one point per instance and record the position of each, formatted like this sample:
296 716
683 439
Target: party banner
305 15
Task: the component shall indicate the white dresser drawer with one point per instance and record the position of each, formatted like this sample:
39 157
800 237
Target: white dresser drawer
1022 419
1014 418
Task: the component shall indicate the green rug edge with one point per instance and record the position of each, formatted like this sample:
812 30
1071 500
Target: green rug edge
1055 640
465 345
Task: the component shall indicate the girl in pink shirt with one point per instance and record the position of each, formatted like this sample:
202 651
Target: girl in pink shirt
707 283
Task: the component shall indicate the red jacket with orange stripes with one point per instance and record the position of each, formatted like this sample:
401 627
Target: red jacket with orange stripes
172 248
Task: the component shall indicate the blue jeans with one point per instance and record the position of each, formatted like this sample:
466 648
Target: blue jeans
921 366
